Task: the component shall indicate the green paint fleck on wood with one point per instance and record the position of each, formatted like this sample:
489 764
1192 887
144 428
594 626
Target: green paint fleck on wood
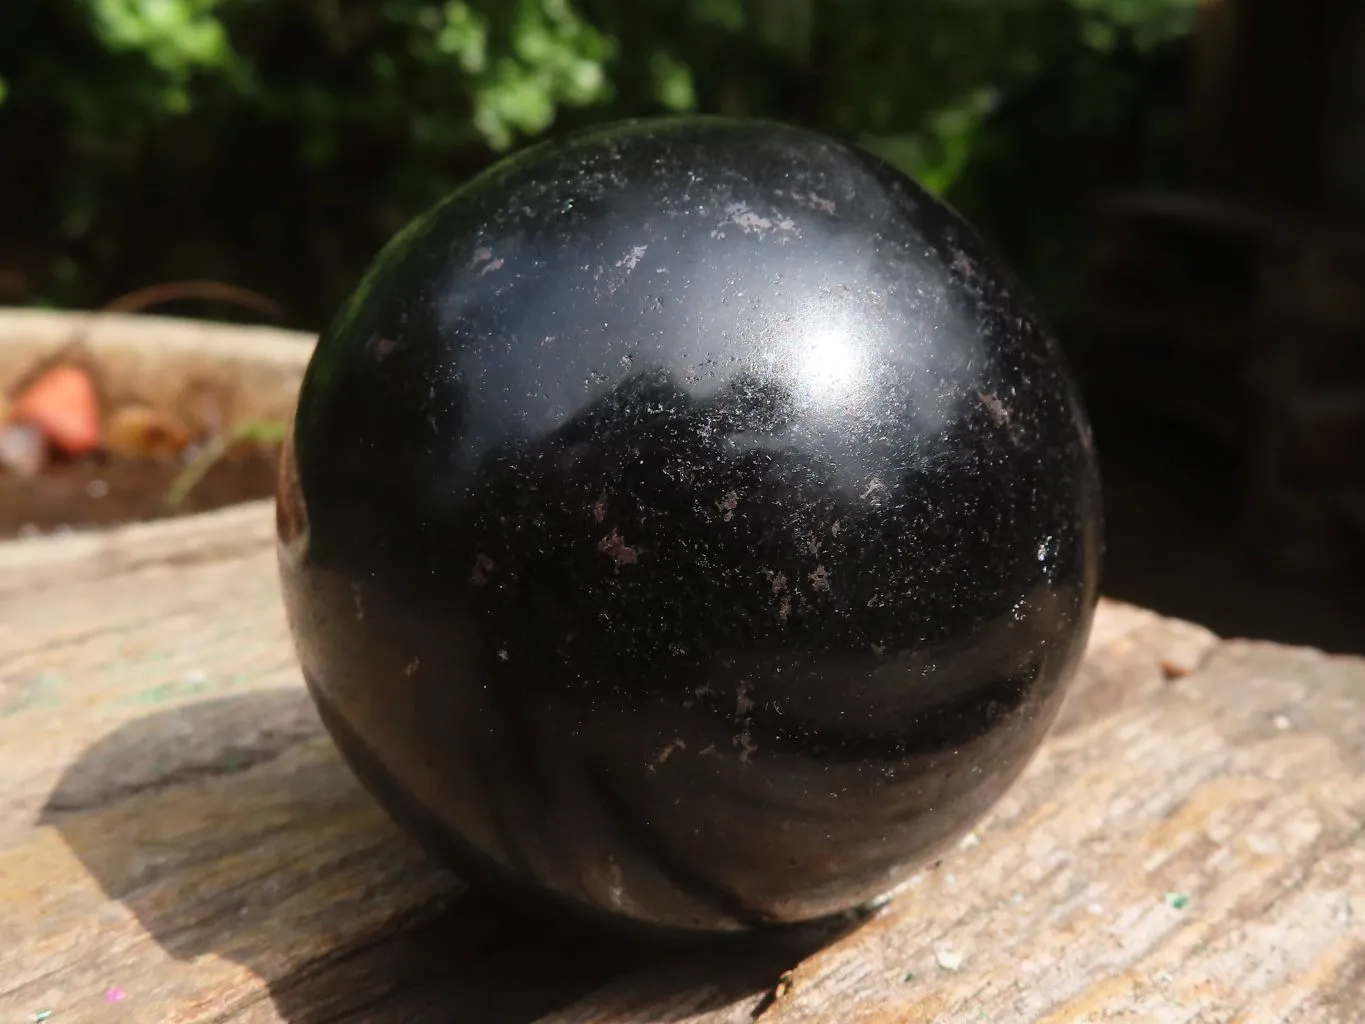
170 691
29 694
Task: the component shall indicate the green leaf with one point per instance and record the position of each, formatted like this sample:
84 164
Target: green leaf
464 35
726 14
673 85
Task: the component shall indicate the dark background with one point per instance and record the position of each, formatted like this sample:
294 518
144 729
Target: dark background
1179 181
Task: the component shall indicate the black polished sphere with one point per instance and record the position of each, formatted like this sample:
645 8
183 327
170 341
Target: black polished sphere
691 521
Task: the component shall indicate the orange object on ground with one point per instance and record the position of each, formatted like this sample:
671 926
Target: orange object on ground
140 432
64 405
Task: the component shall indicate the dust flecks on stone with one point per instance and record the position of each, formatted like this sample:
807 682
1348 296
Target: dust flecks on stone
778 581
814 201
999 414
621 269
632 259
875 601
1044 551
599 507
484 255
834 528
614 546
412 667
813 543
483 565
383 348
667 751
709 749
875 492
819 578
727 505
745 742
878 649
995 408
743 702
503 655
752 223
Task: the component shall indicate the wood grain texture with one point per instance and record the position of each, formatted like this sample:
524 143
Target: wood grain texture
180 843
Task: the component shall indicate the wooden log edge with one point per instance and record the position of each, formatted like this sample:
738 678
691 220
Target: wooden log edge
29 333
252 372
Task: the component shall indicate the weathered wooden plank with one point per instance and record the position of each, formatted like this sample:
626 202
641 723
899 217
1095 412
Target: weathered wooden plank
178 832
33 565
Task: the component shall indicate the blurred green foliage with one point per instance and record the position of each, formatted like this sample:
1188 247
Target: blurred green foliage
306 130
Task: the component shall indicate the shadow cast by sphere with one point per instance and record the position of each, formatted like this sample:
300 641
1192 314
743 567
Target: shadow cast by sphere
469 956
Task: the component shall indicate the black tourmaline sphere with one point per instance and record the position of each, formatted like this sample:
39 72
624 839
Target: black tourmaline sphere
690 521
